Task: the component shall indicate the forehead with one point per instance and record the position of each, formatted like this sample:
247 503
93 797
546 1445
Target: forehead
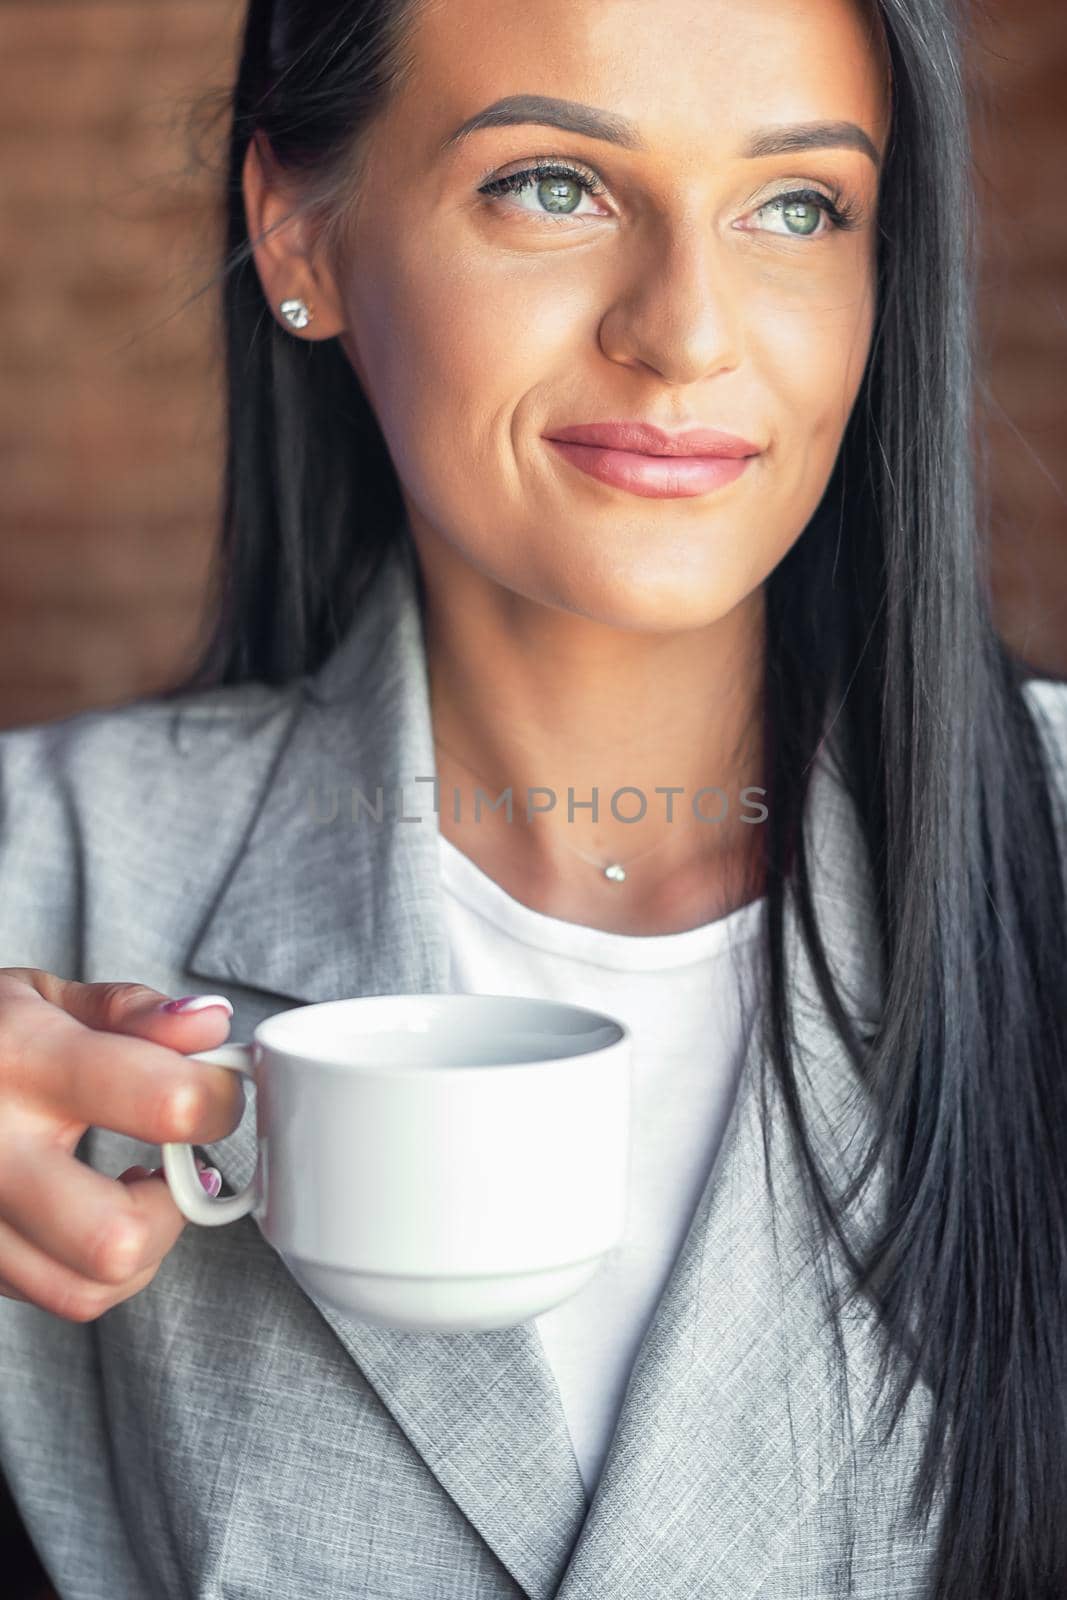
679 69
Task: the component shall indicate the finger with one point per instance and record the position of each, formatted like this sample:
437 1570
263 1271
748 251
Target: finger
119 1007
29 1274
82 1077
128 1008
210 1177
103 1231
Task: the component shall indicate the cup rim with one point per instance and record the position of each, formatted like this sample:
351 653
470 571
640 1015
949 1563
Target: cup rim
599 1021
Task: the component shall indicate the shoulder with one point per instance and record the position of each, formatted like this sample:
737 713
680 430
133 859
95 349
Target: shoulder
1047 697
1050 696
142 746
1047 700
142 779
120 814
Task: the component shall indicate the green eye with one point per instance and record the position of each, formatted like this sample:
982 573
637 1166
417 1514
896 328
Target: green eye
559 190
801 216
559 194
802 210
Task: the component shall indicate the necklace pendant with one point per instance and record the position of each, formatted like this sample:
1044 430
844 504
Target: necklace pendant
616 873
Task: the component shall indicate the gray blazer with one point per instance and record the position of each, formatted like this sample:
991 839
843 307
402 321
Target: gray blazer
222 1435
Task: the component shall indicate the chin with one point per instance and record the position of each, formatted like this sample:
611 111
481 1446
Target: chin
664 601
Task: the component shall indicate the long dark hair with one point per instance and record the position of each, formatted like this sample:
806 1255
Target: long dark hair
879 618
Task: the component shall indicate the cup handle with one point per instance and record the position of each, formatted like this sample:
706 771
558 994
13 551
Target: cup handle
180 1167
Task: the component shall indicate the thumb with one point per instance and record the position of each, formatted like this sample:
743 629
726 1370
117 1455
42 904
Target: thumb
134 1008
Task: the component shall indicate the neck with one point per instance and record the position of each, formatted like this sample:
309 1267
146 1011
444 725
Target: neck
542 701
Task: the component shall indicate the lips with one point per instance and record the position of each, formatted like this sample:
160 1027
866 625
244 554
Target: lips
644 438
647 461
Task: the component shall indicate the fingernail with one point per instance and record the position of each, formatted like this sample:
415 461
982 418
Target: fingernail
195 1002
210 1177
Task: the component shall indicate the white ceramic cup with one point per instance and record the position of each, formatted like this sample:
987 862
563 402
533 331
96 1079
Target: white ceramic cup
432 1161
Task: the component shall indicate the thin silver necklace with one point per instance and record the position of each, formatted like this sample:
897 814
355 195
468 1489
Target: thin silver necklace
613 871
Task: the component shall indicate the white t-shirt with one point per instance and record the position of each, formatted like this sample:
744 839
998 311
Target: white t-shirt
688 1005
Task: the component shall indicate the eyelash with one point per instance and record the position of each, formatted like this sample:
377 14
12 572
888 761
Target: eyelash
843 214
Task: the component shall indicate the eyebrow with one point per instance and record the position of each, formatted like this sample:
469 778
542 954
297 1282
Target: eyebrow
591 122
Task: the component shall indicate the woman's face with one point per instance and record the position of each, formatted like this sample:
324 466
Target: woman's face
667 272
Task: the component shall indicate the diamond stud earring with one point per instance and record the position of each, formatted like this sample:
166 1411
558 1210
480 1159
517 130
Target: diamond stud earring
296 313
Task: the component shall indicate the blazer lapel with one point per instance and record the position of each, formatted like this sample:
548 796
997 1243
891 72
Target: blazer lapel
334 894
320 906
726 1462
701 1485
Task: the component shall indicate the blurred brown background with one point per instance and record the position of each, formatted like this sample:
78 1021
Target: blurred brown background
110 380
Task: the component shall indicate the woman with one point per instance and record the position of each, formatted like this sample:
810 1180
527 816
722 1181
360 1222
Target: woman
831 1358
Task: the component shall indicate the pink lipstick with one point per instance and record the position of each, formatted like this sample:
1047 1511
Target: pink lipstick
650 461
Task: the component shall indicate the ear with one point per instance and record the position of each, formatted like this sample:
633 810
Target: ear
283 248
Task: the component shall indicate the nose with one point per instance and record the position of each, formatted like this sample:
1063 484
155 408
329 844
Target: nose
678 313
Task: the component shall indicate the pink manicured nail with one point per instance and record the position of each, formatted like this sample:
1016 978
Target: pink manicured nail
210 1177
195 1002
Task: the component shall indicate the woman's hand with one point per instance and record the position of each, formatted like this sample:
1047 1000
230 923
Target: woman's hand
75 1055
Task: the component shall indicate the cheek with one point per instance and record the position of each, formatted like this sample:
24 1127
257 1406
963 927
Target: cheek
813 357
449 351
